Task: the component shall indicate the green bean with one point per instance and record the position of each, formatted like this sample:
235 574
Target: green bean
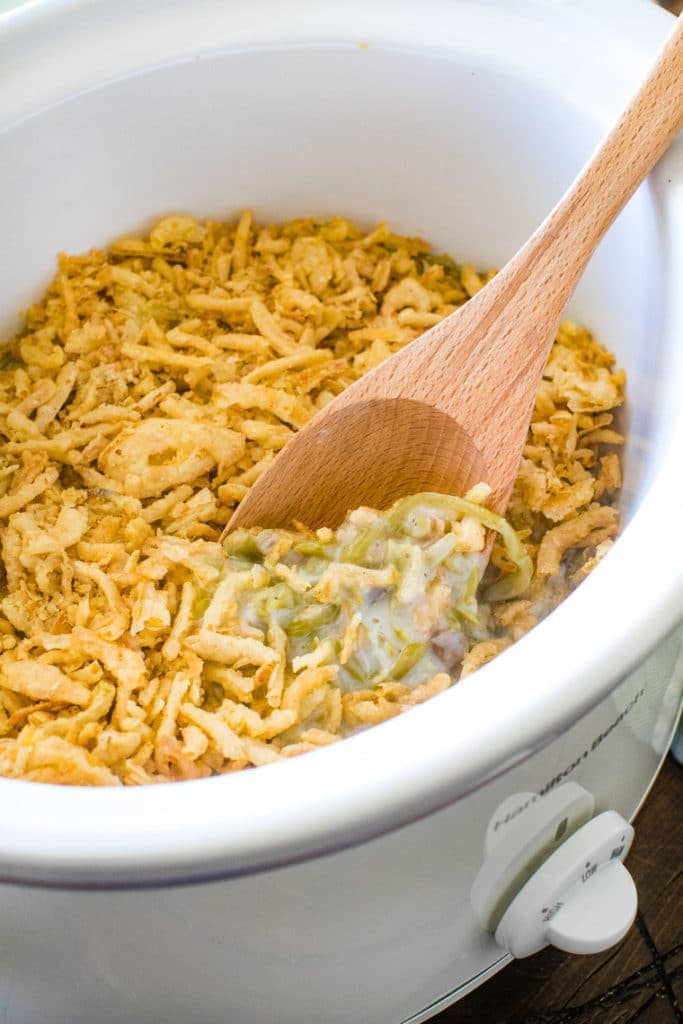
311 618
407 659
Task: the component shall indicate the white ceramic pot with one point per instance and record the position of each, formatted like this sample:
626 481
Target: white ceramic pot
338 887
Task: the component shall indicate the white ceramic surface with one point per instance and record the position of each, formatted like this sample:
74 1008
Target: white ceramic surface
278 106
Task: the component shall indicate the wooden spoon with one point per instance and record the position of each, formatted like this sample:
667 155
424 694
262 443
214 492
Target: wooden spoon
453 407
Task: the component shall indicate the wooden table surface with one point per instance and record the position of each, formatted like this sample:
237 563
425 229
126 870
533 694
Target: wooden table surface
641 979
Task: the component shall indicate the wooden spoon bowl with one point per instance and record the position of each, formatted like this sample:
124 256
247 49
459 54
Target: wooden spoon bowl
415 447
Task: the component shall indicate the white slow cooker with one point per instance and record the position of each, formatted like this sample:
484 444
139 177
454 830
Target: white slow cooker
380 879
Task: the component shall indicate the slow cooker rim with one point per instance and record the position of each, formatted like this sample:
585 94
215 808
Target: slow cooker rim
22 860
116 877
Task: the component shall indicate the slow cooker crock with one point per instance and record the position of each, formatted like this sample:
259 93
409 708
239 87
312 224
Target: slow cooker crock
111 114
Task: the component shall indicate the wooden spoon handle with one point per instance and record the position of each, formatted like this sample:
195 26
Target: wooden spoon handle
482 364
515 317
571 232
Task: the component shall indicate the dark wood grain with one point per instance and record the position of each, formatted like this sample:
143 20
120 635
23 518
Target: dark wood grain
639 981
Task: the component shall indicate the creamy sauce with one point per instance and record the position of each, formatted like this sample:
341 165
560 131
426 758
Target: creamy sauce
389 596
